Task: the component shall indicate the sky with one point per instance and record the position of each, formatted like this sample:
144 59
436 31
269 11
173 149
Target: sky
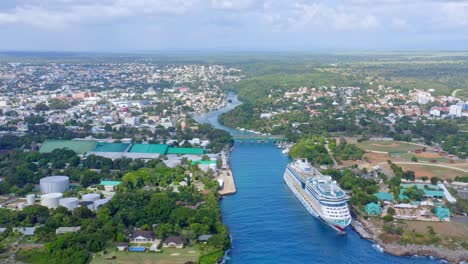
233 25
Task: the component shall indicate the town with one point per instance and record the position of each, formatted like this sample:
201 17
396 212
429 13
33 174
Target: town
120 143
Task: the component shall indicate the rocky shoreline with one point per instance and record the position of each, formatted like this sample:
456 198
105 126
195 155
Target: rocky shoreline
452 256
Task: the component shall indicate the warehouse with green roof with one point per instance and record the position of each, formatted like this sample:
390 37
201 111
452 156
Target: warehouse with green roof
186 151
80 147
111 147
150 148
118 150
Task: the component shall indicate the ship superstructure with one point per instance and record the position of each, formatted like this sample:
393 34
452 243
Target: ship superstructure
320 194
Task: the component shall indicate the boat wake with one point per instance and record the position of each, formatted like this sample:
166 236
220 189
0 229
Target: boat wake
377 248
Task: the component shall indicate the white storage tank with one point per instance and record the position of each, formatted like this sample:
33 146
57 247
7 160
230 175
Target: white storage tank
91 197
89 204
30 199
70 203
51 200
54 184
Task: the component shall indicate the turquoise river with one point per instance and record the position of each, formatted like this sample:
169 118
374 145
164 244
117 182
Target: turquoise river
269 225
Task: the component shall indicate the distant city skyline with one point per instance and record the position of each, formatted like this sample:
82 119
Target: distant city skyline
233 25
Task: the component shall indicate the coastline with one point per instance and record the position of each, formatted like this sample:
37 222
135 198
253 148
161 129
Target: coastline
452 256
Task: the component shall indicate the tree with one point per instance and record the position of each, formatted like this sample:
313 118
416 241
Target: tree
83 212
435 180
164 230
390 211
414 159
387 218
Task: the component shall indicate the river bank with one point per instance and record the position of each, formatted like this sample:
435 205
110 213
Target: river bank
368 232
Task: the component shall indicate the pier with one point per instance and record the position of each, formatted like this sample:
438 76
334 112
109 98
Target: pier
225 174
361 230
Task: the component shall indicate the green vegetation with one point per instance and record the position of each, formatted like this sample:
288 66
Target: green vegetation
212 258
312 149
345 151
166 256
186 212
388 146
256 90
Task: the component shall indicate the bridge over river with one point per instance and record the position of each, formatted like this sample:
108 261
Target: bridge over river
258 138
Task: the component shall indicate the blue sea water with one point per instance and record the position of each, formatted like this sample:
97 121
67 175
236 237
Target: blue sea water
269 225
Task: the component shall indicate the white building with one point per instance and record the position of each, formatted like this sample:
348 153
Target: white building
455 110
434 112
132 121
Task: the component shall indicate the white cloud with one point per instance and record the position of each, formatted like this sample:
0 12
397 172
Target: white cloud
319 17
61 16
283 15
232 4
400 23
454 14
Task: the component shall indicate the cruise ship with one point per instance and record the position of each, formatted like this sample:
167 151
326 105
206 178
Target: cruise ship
320 195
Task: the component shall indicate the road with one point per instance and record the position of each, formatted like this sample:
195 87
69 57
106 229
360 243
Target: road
454 93
331 155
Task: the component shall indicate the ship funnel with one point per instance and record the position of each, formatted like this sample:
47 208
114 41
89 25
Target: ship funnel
332 188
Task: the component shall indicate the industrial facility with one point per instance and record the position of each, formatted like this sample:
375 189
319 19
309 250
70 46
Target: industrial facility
51 200
54 184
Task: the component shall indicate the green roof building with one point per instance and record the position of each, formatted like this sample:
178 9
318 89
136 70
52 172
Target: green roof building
111 147
183 151
80 147
430 190
205 162
402 196
385 196
373 209
442 213
150 148
110 185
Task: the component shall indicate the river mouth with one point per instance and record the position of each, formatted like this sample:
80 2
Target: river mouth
267 222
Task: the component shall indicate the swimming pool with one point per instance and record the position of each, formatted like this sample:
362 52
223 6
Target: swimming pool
137 249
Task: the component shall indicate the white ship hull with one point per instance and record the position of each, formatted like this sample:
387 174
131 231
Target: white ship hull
303 197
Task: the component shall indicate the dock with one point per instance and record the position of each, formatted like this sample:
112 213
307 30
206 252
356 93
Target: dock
229 186
357 225
225 174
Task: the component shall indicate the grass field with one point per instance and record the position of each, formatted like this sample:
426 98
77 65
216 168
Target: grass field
388 146
447 229
425 156
167 256
427 170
